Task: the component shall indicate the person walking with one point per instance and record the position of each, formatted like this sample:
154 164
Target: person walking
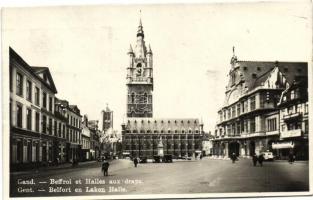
261 159
291 158
254 159
233 157
105 167
136 162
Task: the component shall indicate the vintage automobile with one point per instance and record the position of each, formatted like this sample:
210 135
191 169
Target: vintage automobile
268 156
168 158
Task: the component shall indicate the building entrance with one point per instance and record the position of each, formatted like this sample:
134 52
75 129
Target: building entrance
233 147
252 148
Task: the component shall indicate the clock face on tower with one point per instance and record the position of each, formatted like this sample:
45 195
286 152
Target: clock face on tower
138 69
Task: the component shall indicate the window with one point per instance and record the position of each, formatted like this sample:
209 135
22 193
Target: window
60 127
306 108
252 103
50 103
238 109
50 126
37 96
145 98
29 119
252 125
44 124
238 128
29 90
233 109
55 127
132 98
245 126
271 124
19 116
44 100
292 94
37 122
64 130
245 107
19 84
29 151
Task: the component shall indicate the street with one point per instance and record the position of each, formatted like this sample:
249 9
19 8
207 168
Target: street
179 177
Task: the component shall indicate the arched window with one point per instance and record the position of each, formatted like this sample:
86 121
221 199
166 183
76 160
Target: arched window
133 98
145 98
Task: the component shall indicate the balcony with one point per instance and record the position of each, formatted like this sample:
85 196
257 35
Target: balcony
292 116
141 80
291 133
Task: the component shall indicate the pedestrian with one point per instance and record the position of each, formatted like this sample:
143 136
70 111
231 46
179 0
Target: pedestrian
136 162
105 167
233 157
200 156
291 158
254 159
261 159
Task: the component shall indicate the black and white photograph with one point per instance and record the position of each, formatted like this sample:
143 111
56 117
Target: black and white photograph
139 101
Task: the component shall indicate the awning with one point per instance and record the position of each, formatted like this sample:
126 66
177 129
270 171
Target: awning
283 145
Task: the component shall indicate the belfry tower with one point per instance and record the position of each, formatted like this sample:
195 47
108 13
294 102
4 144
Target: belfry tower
139 78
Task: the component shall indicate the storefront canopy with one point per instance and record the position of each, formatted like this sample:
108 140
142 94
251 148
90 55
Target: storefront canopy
283 145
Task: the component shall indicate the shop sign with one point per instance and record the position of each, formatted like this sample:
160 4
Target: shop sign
290 133
283 145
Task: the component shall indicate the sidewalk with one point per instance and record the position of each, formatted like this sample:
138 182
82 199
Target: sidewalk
61 166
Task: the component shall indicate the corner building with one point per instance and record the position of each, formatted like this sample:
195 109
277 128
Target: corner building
141 134
249 120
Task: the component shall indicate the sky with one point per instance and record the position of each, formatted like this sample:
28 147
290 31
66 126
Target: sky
85 48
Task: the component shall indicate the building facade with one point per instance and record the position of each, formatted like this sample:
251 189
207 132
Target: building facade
74 120
60 128
33 131
139 78
294 121
180 137
106 119
142 135
249 120
85 141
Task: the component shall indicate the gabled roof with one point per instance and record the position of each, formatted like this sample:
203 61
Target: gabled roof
33 70
45 71
262 70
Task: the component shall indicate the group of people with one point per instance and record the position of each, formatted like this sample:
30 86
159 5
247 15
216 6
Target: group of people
255 159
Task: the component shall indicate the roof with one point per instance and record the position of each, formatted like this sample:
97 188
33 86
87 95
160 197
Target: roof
250 75
262 70
35 71
162 123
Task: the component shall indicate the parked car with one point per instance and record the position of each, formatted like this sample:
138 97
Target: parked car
157 159
268 156
186 158
167 158
143 160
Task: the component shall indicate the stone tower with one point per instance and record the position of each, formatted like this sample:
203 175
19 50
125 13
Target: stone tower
139 78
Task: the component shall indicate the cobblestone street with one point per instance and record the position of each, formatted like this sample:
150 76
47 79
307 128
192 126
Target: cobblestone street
179 177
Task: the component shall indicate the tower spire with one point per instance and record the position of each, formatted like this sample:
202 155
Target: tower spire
234 57
140 28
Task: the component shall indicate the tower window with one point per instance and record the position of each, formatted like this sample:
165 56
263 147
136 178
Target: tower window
133 98
145 99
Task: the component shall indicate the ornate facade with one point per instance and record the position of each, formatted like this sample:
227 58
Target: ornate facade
142 134
249 121
139 78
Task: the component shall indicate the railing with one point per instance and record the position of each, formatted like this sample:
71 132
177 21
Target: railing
291 116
